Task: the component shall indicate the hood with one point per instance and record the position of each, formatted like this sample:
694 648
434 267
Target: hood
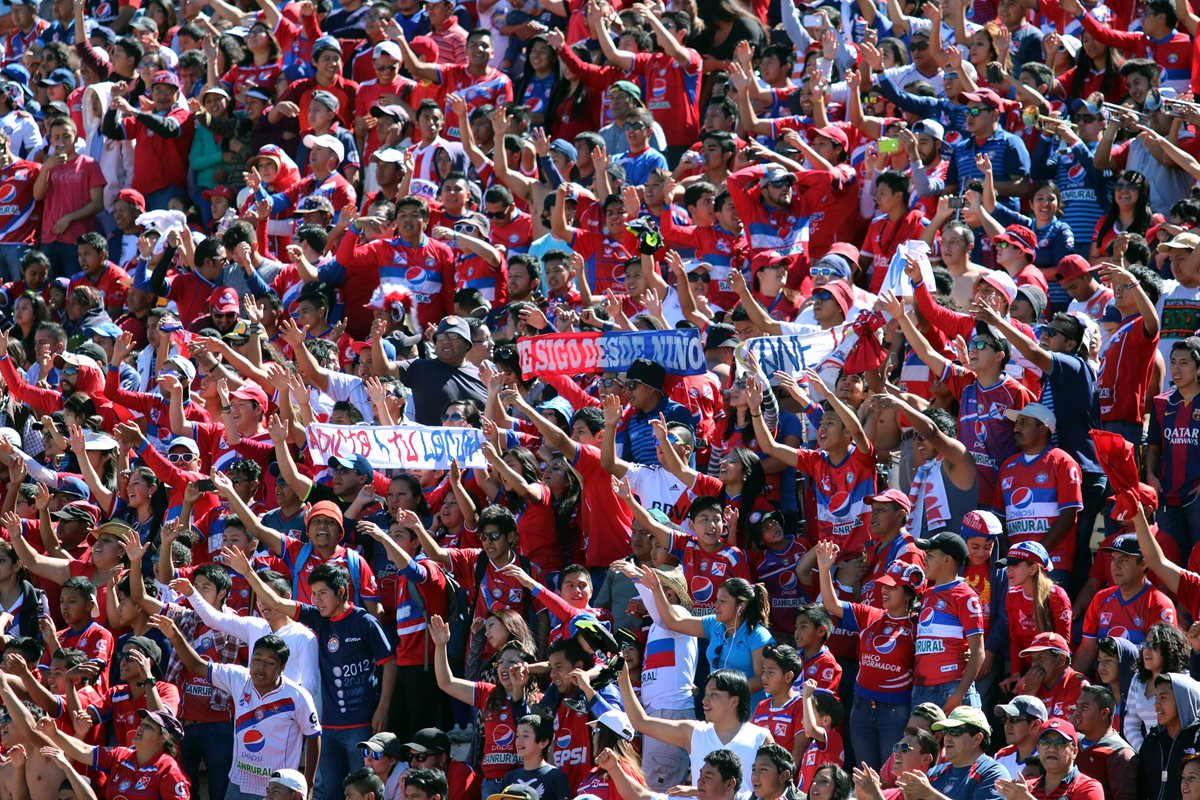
91 383
1187 698
103 92
1128 654
289 174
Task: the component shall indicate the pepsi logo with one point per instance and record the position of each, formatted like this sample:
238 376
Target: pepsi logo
1076 172
503 736
981 430
8 193
702 589
839 504
563 742
414 274
254 741
659 87
1117 632
788 581
1021 498
926 617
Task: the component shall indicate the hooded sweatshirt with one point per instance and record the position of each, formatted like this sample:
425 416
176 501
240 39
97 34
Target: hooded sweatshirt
1127 655
46 401
1161 755
114 157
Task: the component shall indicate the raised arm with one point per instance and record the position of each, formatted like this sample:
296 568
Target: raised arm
236 560
764 435
936 362
662 534
827 553
55 570
674 732
758 315
461 690
187 655
1119 277
673 617
1167 570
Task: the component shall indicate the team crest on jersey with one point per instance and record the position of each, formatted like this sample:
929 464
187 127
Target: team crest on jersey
1105 617
333 645
941 605
850 478
1137 622
1042 477
125 786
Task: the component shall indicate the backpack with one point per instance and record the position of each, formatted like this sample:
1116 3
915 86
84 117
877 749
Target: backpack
353 561
458 617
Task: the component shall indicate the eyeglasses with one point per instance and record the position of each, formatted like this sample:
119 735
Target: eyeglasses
975 111
740 383
1054 743
1002 245
455 417
698 277
421 756
631 385
1149 644
491 536
1125 185
342 471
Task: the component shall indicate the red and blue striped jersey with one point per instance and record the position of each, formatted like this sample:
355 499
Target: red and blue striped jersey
1109 614
886 652
1036 490
776 569
783 722
707 572
1175 429
843 513
949 614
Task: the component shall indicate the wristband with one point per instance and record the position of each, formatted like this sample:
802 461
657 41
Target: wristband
226 409
354 229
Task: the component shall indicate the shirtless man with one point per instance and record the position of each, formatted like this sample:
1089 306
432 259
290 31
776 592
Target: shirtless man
23 763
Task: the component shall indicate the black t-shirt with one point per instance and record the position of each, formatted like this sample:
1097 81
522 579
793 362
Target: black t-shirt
548 781
435 385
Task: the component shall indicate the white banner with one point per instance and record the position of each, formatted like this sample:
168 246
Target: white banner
398 446
896 281
792 354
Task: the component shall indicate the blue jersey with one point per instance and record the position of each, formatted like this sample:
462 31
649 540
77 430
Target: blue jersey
1010 159
1175 429
349 649
1085 189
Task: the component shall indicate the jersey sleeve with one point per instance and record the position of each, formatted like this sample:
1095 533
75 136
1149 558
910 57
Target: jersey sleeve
1160 608
707 486
226 676
306 716
1069 484
1091 619
173 783
380 649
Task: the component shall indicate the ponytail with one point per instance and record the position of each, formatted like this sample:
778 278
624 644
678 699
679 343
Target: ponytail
1042 586
754 596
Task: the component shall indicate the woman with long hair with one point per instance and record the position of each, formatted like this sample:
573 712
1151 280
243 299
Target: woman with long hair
536 84
260 65
830 782
501 627
1097 69
726 23
620 755
576 103
737 631
18 596
1040 606
882 698
566 492
1129 212
726 724
29 311
501 704
1165 651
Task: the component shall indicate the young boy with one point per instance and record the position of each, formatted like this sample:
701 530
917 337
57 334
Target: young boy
534 736
77 602
140 686
781 713
813 626
131 615
822 716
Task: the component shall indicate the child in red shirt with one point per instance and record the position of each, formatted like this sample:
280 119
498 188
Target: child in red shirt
822 716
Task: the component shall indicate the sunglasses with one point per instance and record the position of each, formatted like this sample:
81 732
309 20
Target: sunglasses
1051 332
1013 719
370 755
70 371
900 748
1002 245
822 295
631 385
1125 185
975 111
455 417
636 126
823 272
609 383
178 458
1054 743
1085 119
698 277
981 344
871 99
916 47
491 536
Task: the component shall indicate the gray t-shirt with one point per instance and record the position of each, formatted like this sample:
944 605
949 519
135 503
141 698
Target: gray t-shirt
435 385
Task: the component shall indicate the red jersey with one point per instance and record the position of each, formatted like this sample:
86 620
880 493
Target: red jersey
492 88
983 427
1060 697
784 722
514 235
1126 361
368 590
884 235
369 92
239 79
978 578
886 650
112 283
160 162
120 706
499 734
817 755
707 572
497 589
475 272
1109 614
822 668
1022 624
843 513
412 645
18 209
605 520
672 94
949 614
426 268
301 93
161 779
572 743
1035 491
604 260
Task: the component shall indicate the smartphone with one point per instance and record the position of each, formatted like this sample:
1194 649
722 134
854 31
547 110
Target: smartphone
889 144
955 201
814 20
206 485
994 75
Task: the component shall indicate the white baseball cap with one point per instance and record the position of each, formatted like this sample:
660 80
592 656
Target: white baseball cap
329 142
290 779
388 49
1034 411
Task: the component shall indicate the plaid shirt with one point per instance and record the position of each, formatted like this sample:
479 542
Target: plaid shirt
192 628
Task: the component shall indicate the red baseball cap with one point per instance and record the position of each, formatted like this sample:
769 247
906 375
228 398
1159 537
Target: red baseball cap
833 133
1047 640
133 197
768 258
892 496
1072 267
166 77
252 392
985 96
902 573
224 300
1019 236
1061 727
218 191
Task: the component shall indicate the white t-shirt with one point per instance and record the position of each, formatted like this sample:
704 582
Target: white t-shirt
657 489
1179 313
745 745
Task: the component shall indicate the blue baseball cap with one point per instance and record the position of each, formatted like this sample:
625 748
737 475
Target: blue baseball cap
73 485
1033 552
106 330
358 463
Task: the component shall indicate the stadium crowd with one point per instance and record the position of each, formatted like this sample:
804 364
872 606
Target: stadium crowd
314 485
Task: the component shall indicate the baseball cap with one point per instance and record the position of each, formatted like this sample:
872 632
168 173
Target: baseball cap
1024 705
1074 265
59 77
720 334
1034 411
1060 727
388 155
964 715
71 485
930 127
290 779
327 99
892 496
224 300
985 96
389 349
565 148
328 141
385 744
78 511
616 721
165 720
456 325
186 443
833 133
643 370
322 44
901 573
94 440
1047 641
144 23
1184 241
516 791
218 191
1033 552
148 647
251 392
1002 282
429 740
930 711
167 78
105 330
75 360
1126 543
325 508
183 368
1035 297
358 462
630 88
981 523
1021 237
775 174
946 542
393 111
388 48
315 203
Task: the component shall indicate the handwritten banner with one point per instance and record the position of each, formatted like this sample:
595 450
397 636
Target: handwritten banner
792 354
680 352
398 446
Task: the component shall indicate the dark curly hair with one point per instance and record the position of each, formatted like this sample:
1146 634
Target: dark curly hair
1172 645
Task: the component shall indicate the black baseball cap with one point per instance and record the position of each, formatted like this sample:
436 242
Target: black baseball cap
949 543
